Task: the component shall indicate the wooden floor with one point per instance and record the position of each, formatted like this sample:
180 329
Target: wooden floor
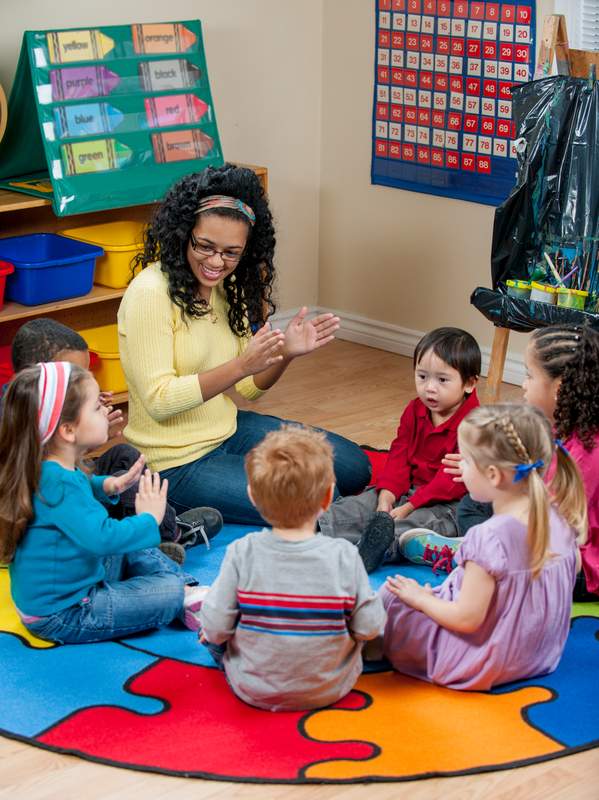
358 392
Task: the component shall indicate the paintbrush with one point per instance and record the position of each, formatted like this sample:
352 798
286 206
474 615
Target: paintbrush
553 269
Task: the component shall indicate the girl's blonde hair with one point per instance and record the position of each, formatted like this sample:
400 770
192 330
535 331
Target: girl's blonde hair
21 451
507 436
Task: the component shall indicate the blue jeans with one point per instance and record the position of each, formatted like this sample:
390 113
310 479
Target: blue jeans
471 512
218 479
141 590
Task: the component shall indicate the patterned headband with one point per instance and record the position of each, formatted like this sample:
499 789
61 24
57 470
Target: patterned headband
52 390
224 201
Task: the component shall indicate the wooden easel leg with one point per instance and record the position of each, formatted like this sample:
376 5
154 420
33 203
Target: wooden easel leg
496 364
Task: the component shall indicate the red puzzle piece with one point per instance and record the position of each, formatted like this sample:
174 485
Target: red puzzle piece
205 729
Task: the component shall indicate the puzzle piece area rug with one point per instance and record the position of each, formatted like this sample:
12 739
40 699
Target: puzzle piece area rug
156 702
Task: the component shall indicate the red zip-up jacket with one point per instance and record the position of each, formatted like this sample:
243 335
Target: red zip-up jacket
416 453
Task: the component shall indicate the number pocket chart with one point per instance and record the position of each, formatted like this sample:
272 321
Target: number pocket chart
442 116
115 114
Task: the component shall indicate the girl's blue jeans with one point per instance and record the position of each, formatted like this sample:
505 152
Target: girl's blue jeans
218 479
141 590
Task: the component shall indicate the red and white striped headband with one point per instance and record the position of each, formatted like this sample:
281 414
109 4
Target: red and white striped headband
224 201
52 390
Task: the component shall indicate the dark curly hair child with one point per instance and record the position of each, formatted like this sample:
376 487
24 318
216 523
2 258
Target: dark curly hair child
249 288
569 355
562 365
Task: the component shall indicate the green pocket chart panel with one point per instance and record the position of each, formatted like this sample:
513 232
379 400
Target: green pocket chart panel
111 115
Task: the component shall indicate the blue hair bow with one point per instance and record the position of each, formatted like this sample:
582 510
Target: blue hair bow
562 446
524 470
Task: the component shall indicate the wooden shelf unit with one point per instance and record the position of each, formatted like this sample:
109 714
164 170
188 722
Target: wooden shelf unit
22 213
98 294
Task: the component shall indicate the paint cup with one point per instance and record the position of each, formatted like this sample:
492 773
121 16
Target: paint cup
543 293
518 289
571 298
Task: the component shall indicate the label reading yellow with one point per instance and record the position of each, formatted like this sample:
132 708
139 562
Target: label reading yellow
66 46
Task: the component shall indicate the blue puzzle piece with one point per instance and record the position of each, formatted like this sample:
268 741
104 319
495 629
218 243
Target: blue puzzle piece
571 716
175 642
42 687
419 573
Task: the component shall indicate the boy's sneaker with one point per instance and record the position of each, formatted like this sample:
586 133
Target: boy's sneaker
198 525
174 551
423 546
376 540
192 603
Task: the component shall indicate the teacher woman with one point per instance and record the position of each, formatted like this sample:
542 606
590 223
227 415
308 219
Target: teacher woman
185 337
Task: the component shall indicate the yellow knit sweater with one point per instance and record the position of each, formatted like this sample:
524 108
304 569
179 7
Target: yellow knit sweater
162 355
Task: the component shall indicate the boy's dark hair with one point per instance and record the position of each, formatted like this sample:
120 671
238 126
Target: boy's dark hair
40 340
571 353
456 347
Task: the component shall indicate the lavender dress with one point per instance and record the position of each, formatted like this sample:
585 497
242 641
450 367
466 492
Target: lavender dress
526 627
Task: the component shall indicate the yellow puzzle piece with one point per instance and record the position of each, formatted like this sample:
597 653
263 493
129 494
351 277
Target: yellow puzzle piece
9 619
421 728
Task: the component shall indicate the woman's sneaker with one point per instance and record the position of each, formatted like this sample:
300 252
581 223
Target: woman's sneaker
423 546
198 526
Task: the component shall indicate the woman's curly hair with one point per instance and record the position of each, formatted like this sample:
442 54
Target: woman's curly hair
249 288
571 352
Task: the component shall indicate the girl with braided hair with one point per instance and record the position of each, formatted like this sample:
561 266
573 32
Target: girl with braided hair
193 325
503 614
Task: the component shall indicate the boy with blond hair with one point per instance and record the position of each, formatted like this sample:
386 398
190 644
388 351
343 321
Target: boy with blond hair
292 607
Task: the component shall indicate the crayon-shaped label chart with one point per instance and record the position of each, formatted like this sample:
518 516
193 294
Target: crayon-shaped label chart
98 155
79 82
181 145
86 119
174 109
160 76
166 37
66 46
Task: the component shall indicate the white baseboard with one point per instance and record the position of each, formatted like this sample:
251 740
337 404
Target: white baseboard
395 339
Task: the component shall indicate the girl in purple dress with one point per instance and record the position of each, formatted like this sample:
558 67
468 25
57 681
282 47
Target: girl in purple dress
504 613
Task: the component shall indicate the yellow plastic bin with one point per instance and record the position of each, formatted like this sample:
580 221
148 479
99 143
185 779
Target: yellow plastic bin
571 298
519 289
104 342
121 241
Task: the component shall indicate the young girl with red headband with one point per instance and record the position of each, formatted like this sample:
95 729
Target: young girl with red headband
76 574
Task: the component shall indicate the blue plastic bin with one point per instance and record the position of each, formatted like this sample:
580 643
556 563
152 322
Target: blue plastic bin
48 267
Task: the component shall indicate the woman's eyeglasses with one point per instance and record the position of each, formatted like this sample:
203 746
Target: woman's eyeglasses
205 251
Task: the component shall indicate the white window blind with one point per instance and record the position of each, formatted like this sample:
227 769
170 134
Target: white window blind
589 25
582 19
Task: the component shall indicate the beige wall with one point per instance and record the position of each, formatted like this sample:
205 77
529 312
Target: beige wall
293 85
264 58
399 257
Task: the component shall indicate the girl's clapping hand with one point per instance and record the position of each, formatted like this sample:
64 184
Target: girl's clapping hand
151 496
117 484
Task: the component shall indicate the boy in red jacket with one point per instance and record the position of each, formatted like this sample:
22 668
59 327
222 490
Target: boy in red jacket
413 491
